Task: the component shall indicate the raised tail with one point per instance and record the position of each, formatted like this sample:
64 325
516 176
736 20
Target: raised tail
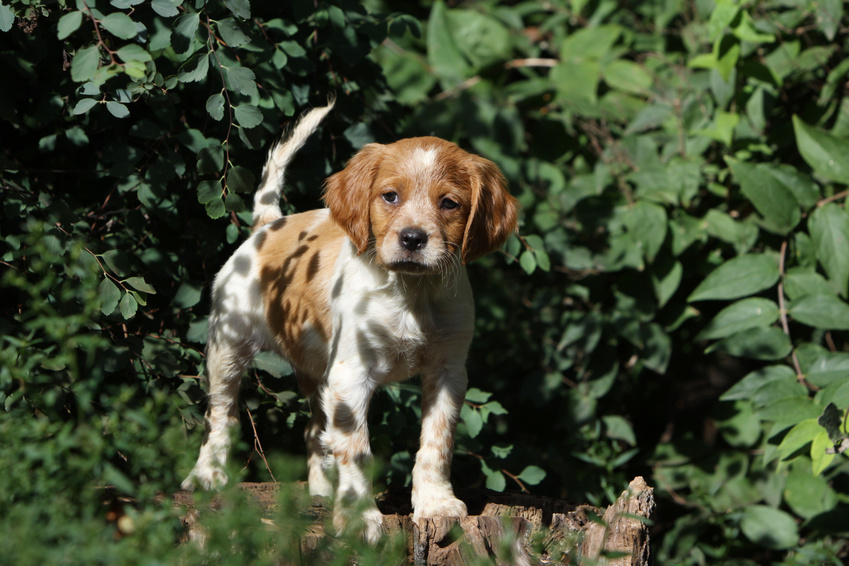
267 197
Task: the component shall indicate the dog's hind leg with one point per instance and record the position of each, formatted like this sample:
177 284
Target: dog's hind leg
319 461
225 363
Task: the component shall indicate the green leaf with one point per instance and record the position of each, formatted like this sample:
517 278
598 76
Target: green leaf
231 33
646 222
68 24
657 348
215 207
627 76
120 25
272 363
744 314
820 457
195 69
444 56
84 105
293 49
234 203
590 42
210 160
133 52
166 8
496 481
768 527
528 262
188 295
619 428
247 115
666 278
85 64
481 38
800 282
473 420
828 16
807 494
239 8
208 190
475 395
738 424
771 198
577 80
532 475
215 106
824 152
7 18
129 306
767 376
746 30
109 296
822 367
241 80
828 226
790 411
798 437
821 311
241 180
738 277
139 284
117 109
185 29
760 343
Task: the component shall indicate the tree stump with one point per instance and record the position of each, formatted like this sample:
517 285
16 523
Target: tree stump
528 529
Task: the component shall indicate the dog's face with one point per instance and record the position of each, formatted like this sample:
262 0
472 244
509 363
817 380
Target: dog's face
421 203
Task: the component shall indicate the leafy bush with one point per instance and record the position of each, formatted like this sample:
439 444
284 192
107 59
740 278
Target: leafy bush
674 306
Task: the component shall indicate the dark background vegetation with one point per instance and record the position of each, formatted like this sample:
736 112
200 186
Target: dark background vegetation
673 307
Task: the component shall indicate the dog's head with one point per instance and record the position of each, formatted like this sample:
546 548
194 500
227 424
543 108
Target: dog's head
422 203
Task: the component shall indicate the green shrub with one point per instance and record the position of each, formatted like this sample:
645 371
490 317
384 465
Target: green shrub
674 306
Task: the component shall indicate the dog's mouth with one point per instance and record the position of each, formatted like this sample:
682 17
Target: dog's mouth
410 266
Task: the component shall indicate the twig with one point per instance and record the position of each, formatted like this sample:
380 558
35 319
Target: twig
531 62
258 446
832 198
782 312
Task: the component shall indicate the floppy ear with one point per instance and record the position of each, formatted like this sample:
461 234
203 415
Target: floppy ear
348 194
494 212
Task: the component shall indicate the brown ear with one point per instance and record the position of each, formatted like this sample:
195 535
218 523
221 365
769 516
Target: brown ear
347 194
494 212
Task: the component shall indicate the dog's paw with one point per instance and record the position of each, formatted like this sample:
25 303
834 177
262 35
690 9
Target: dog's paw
369 523
445 506
206 478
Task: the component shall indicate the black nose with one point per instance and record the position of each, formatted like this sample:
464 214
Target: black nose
412 239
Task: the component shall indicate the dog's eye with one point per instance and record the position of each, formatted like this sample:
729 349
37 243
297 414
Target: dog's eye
390 197
448 204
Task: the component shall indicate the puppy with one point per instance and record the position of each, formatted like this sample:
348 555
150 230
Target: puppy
368 291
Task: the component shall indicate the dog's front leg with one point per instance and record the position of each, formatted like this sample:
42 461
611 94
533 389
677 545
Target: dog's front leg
443 393
346 399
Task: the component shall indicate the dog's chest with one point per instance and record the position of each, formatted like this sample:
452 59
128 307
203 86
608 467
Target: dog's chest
393 335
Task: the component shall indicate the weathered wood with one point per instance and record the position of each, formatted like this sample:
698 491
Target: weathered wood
516 529
623 528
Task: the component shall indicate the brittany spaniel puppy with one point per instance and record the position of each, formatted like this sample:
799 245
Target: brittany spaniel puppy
368 291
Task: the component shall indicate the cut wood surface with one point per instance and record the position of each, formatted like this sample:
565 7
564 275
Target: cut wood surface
538 530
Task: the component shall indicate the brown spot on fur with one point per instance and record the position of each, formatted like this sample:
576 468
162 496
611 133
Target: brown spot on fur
294 302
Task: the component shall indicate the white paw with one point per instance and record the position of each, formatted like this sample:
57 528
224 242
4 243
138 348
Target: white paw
445 506
207 478
369 523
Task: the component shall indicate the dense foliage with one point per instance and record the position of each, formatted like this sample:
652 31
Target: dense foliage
675 305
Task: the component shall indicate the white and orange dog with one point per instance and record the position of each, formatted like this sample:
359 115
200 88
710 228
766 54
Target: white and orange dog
368 291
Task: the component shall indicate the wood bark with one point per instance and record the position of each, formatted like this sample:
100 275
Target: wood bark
518 529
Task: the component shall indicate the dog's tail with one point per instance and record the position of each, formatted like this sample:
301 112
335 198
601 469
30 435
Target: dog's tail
267 198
